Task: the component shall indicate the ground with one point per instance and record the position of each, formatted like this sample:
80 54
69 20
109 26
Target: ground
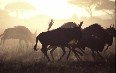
58 67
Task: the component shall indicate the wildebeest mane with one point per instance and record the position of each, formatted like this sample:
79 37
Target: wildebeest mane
69 25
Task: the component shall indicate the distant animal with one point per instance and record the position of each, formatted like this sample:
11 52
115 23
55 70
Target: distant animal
58 37
18 32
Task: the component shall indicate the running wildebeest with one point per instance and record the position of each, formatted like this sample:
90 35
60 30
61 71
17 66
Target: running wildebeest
58 37
18 32
95 38
71 43
111 33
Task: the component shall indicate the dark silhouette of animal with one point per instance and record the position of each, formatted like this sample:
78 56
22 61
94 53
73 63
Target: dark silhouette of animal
50 24
111 33
96 37
105 34
70 25
58 37
71 43
18 32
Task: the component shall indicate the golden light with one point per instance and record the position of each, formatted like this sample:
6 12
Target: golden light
58 9
61 9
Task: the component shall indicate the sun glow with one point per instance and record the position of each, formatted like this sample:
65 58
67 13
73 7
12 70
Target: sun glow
58 9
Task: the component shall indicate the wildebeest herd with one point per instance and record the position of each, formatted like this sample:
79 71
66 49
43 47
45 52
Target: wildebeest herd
74 37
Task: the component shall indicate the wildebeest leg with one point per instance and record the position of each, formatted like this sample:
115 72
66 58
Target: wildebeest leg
100 55
75 52
93 54
3 41
78 55
82 51
69 52
19 42
51 47
35 45
44 50
79 52
106 48
64 52
51 52
26 43
0 42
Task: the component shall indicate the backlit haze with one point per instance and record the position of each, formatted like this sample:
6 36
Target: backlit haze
38 14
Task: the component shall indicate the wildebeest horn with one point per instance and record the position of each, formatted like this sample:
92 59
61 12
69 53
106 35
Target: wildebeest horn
110 25
80 24
113 25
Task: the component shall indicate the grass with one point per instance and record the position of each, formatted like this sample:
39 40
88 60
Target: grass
57 67
16 60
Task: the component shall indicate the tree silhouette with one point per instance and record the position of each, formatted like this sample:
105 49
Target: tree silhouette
107 6
19 7
89 5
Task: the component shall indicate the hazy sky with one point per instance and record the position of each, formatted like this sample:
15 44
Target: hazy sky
59 9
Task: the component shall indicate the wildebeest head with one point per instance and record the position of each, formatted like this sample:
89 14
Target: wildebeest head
112 30
111 34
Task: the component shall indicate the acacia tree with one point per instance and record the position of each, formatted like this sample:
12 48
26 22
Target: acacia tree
19 7
107 6
89 5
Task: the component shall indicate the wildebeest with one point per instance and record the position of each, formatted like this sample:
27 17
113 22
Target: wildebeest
70 25
58 37
71 43
111 33
104 34
96 37
18 32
